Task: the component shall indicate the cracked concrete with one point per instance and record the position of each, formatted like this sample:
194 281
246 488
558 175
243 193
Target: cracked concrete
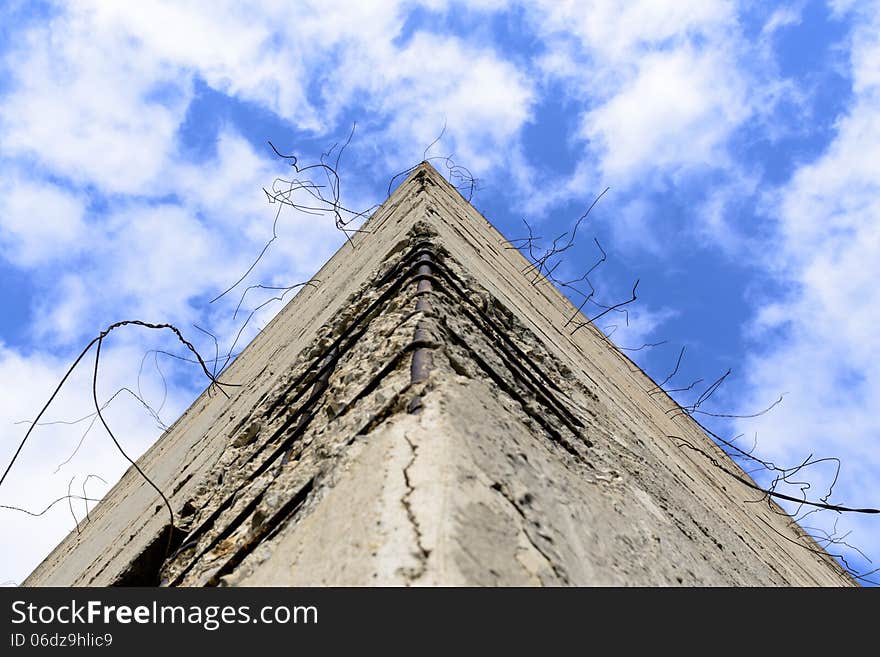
508 452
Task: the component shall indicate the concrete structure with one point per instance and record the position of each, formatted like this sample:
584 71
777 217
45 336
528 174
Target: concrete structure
423 417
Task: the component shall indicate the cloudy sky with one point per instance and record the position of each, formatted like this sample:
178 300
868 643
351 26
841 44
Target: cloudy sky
740 140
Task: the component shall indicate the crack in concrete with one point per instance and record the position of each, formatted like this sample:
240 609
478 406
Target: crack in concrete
422 553
557 570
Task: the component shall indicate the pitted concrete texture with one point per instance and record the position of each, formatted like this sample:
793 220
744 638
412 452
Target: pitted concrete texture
424 417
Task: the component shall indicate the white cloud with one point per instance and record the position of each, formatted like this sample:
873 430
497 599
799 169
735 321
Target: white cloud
718 214
154 258
39 221
83 105
616 33
125 75
640 329
483 100
242 49
660 89
782 17
674 112
271 53
64 307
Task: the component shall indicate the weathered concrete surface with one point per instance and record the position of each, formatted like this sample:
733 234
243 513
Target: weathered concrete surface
526 456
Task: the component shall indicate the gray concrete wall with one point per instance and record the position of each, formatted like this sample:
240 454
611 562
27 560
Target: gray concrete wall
518 454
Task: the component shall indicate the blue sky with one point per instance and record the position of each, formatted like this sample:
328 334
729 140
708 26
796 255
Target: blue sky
739 140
